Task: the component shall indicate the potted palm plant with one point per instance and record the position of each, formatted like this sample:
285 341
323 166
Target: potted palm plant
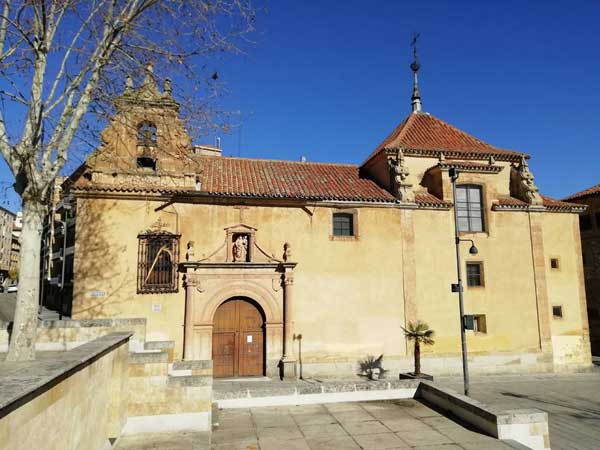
420 333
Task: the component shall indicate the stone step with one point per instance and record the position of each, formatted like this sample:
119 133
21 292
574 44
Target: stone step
190 380
159 345
47 314
155 357
193 365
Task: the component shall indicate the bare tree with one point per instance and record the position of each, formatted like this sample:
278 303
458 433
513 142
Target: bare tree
59 63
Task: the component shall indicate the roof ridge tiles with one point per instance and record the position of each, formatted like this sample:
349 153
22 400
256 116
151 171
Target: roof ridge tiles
281 161
592 190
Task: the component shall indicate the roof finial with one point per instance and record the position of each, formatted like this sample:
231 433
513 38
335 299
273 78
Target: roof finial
416 96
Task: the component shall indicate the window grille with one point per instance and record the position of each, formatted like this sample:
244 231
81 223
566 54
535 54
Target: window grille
158 257
469 208
343 224
557 311
474 274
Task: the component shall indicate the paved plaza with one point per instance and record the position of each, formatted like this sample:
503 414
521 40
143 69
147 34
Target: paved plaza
572 402
400 424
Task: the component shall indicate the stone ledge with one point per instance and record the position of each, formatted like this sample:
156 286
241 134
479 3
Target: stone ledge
528 427
87 323
159 345
148 357
21 382
193 365
191 380
310 388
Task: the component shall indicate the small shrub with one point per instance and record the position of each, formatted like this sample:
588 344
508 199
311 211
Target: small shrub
372 367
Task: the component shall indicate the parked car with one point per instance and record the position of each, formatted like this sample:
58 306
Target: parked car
12 288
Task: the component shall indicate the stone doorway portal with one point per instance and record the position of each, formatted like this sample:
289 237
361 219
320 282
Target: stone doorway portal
238 339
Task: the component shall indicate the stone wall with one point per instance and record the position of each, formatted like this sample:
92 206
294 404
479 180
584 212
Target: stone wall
70 400
56 335
167 397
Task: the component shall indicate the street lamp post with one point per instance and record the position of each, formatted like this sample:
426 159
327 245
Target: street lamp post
453 172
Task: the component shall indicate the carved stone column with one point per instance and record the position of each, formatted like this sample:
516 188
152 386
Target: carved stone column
288 362
192 345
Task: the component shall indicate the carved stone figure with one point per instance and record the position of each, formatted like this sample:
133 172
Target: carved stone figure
189 255
287 252
528 188
400 175
240 248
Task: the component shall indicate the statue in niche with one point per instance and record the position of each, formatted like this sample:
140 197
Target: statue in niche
240 248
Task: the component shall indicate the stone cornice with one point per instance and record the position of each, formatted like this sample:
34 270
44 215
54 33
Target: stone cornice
472 168
475 155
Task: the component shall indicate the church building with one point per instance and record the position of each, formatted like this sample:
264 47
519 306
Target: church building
265 266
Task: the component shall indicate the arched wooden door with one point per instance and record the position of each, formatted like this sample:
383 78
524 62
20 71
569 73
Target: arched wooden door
238 339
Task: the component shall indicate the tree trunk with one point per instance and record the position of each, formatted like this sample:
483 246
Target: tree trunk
417 357
22 342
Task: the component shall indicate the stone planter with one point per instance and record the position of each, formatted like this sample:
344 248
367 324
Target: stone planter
412 376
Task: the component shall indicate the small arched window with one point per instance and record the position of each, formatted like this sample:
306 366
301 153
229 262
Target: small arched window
147 134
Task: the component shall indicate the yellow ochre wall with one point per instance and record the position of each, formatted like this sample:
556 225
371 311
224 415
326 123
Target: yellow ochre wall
349 295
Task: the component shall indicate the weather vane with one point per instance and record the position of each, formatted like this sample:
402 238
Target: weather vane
415 66
413 44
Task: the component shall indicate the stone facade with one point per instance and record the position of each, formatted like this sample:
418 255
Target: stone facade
590 245
263 231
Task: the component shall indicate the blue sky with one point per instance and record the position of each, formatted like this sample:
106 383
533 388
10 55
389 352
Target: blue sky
329 80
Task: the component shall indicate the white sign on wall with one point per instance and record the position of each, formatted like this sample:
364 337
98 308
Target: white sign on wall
156 307
96 294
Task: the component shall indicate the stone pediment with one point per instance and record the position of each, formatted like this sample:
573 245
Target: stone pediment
240 247
240 228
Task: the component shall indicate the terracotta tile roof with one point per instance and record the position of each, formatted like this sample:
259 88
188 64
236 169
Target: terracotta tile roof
594 190
427 199
242 177
549 203
426 133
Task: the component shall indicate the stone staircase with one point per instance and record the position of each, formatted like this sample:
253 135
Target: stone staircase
166 389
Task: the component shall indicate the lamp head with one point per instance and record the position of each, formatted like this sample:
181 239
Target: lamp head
453 172
473 250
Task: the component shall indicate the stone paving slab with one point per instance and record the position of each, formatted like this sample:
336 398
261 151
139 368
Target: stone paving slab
374 425
165 441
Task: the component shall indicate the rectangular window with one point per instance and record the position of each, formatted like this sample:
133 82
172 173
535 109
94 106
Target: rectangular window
554 263
343 224
585 222
557 311
474 274
158 257
597 216
479 323
469 208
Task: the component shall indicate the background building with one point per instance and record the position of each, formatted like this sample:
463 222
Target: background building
57 252
589 226
7 220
